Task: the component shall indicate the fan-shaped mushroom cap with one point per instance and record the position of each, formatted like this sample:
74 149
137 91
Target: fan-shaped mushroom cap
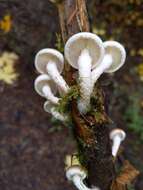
118 53
42 81
81 41
75 170
117 132
44 56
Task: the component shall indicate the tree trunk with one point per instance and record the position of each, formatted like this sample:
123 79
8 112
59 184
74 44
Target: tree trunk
91 131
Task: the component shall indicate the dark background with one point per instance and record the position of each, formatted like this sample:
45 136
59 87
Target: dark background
32 148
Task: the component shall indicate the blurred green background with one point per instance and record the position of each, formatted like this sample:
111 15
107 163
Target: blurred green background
32 148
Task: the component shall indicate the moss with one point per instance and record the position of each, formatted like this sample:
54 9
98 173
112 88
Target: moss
97 110
82 143
65 102
80 155
98 117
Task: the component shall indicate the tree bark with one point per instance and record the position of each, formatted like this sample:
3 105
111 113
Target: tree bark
91 130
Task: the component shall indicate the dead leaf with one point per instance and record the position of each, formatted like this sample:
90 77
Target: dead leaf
127 175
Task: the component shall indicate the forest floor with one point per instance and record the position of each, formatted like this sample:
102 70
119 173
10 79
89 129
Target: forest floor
32 148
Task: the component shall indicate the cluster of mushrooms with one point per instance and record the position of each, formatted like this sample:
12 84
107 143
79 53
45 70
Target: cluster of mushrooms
87 53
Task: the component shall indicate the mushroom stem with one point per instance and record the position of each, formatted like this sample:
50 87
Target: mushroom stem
79 183
56 77
49 95
116 145
84 68
50 108
57 115
96 73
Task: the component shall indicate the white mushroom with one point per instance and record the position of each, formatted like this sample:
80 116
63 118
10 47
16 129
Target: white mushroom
45 87
77 174
117 136
50 108
84 51
114 58
51 61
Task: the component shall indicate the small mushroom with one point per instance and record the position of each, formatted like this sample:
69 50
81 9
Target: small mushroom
114 58
50 108
117 136
45 87
84 51
51 61
77 174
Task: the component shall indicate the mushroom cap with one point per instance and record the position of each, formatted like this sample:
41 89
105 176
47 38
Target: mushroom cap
118 53
41 81
118 132
44 56
47 106
75 170
81 41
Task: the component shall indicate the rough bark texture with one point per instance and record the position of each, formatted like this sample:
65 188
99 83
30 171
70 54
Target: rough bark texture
91 131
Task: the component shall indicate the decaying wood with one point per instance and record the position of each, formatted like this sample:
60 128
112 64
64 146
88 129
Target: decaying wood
91 131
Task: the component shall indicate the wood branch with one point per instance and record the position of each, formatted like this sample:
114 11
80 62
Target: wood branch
91 131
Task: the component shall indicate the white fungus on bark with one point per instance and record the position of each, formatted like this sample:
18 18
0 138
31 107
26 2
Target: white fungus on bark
50 108
114 58
46 88
117 136
77 174
51 61
84 51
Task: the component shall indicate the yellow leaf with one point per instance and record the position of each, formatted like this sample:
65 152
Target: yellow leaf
7 70
6 23
140 52
133 52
